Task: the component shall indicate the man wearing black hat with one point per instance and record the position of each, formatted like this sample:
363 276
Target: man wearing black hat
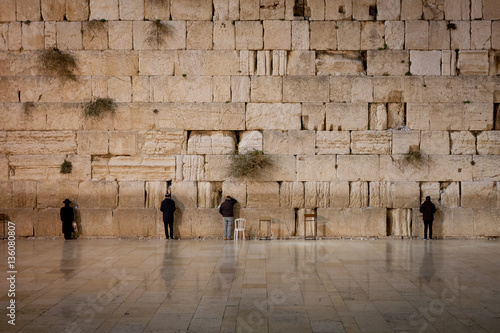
67 218
428 209
168 209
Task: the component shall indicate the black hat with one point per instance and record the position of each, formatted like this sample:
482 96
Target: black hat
427 198
66 201
167 195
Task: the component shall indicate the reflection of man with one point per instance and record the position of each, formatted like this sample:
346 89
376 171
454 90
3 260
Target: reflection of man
226 210
168 209
427 209
67 218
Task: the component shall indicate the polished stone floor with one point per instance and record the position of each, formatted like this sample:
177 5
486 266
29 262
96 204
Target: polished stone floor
154 285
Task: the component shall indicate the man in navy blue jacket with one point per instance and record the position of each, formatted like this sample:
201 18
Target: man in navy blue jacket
226 210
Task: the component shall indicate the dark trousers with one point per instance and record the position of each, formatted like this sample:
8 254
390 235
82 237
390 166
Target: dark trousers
428 225
169 225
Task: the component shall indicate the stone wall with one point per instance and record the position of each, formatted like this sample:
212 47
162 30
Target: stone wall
364 108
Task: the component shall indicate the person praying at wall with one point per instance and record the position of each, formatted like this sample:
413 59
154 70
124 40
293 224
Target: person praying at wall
67 218
428 209
227 212
168 208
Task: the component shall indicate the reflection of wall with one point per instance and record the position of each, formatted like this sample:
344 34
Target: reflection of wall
337 100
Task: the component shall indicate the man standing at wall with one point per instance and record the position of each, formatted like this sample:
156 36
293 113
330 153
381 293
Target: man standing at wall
427 208
226 210
67 218
168 209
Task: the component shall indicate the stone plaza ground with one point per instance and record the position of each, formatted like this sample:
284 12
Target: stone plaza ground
154 285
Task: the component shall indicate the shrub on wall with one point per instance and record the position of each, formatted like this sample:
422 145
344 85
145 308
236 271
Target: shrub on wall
100 106
249 165
58 62
66 167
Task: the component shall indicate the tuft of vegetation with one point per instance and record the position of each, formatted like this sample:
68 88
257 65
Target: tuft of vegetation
249 165
99 106
58 62
66 167
466 102
414 157
157 33
95 27
28 107
451 26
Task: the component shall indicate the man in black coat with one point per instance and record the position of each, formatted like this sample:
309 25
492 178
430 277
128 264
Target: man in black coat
168 209
428 209
67 218
226 210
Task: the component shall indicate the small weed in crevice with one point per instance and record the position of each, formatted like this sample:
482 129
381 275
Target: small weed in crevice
414 157
100 106
66 167
28 107
58 62
249 165
156 33
451 26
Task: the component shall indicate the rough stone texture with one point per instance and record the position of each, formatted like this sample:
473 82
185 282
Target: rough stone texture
406 195
96 222
134 222
358 194
51 194
463 143
358 167
353 222
332 142
317 194
450 197
343 116
402 141
277 35
190 167
479 194
236 190
305 89
292 195
161 142
273 116
266 89
301 63
250 141
473 62
372 35
339 194
100 194
263 195
323 35
131 168
425 62
24 194
400 222
488 143
282 222
313 116
40 142
339 63
435 142
316 168
381 194
194 10
291 142
370 142
209 195
387 62
213 143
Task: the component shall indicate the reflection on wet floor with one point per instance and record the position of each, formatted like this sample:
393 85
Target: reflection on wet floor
132 285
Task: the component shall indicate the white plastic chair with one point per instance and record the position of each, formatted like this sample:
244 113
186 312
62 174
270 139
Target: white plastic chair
239 225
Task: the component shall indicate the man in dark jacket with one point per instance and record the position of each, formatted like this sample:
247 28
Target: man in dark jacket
427 209
226 210
67 218
168 209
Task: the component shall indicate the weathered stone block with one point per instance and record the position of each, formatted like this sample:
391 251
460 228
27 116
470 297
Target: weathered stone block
301 63
332 142
340 89
250 141
272 10
352 222
282 222
131 194
221 89
273 116
249 10
478 116
134 222
192 10
406 195
435 142
479 194
488 143
28 10
342 116
431 189
370 142
6 198
323 35
132 168
263 195
358 167
449 167
361 89
24 220
24 194
349 35
480 35
131 10
305 89
377 115
187 89
199 35
277 35
95 35
317 194
387 62
425 62
156 62
211 143
69 35
33 35
400 222
96 222
8 12
313 116
185 194
44 167
155 193
495 35
358 194
316 168
92 142
101 194
207 63
339 63
14 36
300 35
388 10
395 34
486 222
338 9
161 142
361 10
123 143
51 193
339 194
463 143
209 194
450 194
291 142
372 35
381 194
40 142
77 10
439 35
460 37
236 190
47 222
190 167
249 35
292 195
240 89
119 63
416 37
473 62
402 141
266 89
224 35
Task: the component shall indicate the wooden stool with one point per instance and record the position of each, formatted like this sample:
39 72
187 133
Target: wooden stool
310 220
265 222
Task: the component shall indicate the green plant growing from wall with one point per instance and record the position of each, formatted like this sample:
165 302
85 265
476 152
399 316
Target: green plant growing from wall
58 63
248 165
66 167
157 33
99 106
414 157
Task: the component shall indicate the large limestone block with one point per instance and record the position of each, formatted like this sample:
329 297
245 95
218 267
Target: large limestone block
339 194
388 10
486 222
273 116
53 10
194 10
402 141
96 222
132 168
380 194
479 194
316 168
40 142
425 62
358 194
213 116
77 10
300 35
460 37
47 223
411 9
277 35
8 12
24 194
211 143
349 35
185 194
92 142
190 167
480 35
457 10
463 143
431 189
473 62
28 10
449 167
250 141
372 35
282 222
226 10
156 62
14 35
454 223
442 89
362 90
119 63
23 218
33 35
406 195
323 35
292 195
131 194
199 35
435 142
104 9
44 167
53 89
370 142
400 222
396 114
156 10
338 9
478 116
403 167
395 34
187 89
266 89
249 10
199 223
221 89
130 222
332 142
131 10
290 142
495 35
6 198
317 194
240 89
339 63
439 35
123 143
361 10
162 142
155 193
387 62
491 10
305 89
313 116
353 222
95 35
488 143
301 63
263 195
236 190
450 194
340 89
92 194
358 167
51 194
346 116
209 194
416 37
224 35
